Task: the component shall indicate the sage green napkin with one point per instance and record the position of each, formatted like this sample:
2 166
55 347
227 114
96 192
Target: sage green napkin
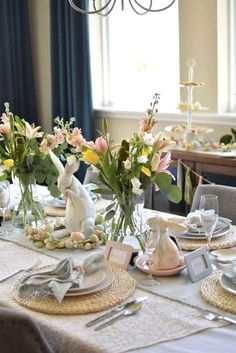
58 280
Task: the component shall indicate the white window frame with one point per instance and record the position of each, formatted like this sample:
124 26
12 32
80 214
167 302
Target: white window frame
232 55
225 116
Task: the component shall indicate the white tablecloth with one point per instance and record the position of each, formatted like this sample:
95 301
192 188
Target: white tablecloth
217 340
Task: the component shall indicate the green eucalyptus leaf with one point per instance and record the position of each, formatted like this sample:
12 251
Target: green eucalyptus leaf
163 181
109 215
105 126
102 191
111 206
54 191
174 194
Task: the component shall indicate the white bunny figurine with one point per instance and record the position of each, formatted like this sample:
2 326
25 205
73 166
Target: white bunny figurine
80 210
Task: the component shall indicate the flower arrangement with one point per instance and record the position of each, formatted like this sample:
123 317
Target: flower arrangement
21 158
126 170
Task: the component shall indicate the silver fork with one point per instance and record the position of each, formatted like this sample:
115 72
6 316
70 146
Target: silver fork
27 269
212 316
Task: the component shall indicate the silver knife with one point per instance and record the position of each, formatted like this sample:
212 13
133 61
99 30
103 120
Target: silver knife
115 311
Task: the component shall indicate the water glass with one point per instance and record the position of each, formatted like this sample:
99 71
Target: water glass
209 215
4 203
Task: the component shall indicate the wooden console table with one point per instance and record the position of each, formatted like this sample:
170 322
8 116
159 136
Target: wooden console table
205 164
215 168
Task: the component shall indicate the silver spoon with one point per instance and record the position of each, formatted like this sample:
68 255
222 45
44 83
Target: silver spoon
132 310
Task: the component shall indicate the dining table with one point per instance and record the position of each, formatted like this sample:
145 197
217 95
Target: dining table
169 321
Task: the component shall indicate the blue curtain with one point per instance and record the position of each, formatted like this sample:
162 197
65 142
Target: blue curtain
70 67
16 69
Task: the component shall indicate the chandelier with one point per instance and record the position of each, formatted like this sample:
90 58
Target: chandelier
106 6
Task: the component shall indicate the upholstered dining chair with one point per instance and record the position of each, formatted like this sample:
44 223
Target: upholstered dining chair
20 334
226 197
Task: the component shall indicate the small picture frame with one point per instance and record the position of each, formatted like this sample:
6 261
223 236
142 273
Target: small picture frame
118 254
198 264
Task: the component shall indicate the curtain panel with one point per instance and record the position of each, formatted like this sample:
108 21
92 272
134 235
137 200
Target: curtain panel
70 68
16 68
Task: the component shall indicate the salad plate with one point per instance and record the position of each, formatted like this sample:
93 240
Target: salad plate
222 228
228 284
90 281
106 282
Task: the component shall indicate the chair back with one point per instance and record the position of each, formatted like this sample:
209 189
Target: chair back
20 334
226 197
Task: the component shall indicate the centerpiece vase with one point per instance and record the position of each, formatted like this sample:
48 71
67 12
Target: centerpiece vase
126 220
29 210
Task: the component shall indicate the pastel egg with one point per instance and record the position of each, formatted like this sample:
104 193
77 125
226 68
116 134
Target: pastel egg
77 236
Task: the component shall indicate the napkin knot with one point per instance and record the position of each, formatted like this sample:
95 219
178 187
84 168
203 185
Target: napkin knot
59 279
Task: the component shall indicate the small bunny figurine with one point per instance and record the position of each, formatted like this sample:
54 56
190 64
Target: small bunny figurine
166 255
80 210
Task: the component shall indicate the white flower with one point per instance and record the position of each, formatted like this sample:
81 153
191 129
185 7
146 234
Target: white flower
31 131
94 169
148 139
137 191
142 159
127 164
2 170
136 186
71 160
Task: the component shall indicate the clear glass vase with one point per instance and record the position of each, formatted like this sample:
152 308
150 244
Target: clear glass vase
127 220
29 211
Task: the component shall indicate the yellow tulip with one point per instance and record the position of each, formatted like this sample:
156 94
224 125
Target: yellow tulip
155 161
90 157
145 171
147 151
8 163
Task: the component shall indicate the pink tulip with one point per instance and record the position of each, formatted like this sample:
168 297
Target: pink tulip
5 126
164 163
5 129
101 145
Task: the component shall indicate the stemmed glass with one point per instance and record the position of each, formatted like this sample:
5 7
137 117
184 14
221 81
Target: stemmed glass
209 215
4 202
150 239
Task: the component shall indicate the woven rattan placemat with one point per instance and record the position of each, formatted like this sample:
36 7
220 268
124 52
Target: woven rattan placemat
54 211
215 294
122 287
226 241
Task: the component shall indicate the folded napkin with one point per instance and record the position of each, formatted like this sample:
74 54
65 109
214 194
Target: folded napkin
229 270
58 280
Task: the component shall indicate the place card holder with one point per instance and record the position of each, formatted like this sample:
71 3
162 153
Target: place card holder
118 254
198 264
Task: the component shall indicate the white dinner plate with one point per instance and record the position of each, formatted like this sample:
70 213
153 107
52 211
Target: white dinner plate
225 255
107 281
54 202
228 284
90 281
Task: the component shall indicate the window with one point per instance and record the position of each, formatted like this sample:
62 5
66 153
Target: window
232 19
135 56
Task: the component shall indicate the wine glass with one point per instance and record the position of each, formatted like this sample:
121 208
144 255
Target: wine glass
4 203
209 215
150 239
